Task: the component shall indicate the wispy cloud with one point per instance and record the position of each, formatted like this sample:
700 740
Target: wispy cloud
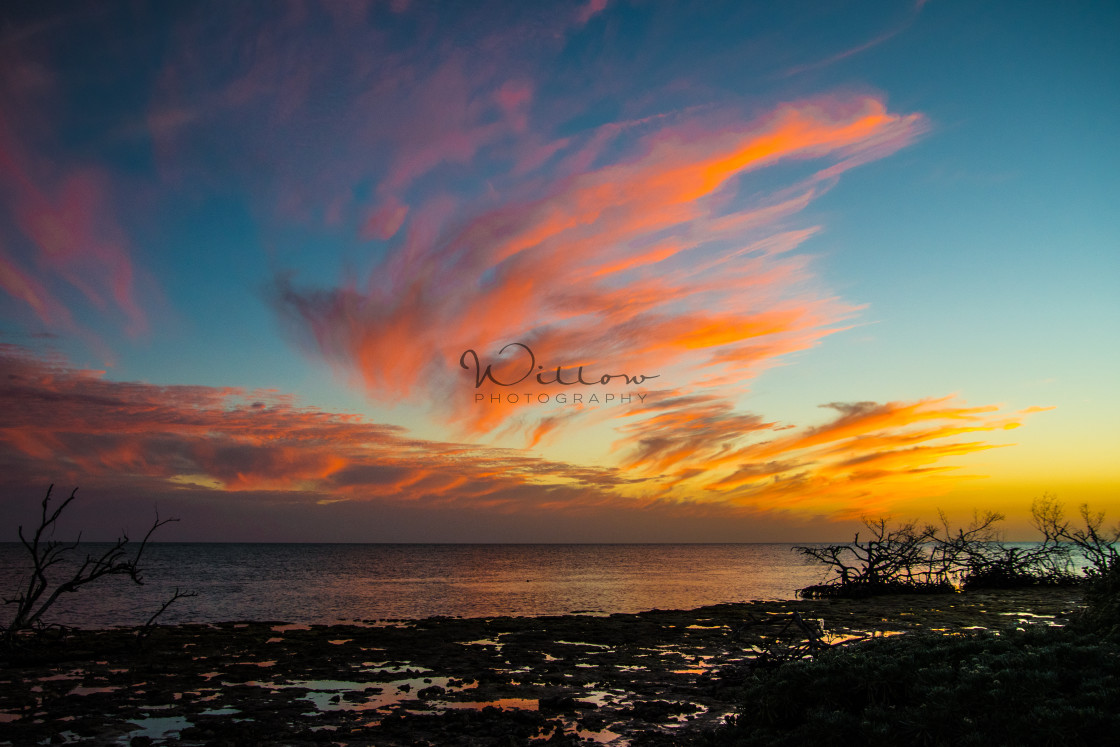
63 424
688 455
869 456
589 10
59 229
653 263
346 106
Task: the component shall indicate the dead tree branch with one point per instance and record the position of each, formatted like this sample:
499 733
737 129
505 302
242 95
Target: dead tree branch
38 596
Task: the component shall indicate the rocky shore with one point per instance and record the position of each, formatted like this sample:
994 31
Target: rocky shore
656 677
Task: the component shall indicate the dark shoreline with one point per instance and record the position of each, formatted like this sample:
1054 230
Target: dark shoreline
645 678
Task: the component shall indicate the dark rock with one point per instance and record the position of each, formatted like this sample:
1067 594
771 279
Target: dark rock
565 704
659 710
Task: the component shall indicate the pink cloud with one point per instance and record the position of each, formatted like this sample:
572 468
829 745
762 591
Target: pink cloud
385 220
514 98
23 286
66 232
589 10
344 110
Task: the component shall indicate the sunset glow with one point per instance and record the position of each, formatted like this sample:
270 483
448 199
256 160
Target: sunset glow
601 271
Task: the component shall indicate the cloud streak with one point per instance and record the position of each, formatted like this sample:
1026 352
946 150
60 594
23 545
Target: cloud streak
866 458
653 263
62 249
688 455
67 425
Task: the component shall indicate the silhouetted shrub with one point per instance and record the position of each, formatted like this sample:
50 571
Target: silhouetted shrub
890 560
1097 546
911 559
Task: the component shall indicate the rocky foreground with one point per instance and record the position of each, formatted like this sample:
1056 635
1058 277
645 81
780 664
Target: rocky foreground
657 677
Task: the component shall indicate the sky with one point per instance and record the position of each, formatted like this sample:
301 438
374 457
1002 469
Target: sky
606 271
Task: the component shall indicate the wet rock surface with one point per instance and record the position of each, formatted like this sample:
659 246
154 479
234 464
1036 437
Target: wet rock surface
655 677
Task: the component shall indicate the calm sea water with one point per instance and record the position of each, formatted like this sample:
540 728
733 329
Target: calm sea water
327 583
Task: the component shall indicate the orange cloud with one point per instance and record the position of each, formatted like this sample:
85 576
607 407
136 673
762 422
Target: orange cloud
685 432
868 457
683 454
62 424
643 265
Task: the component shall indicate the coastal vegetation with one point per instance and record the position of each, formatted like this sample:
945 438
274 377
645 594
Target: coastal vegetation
1038 685
908 558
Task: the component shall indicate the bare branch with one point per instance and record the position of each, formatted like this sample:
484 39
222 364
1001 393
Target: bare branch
147 629
34 601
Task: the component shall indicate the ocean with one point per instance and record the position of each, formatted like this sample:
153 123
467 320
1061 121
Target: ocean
333 583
